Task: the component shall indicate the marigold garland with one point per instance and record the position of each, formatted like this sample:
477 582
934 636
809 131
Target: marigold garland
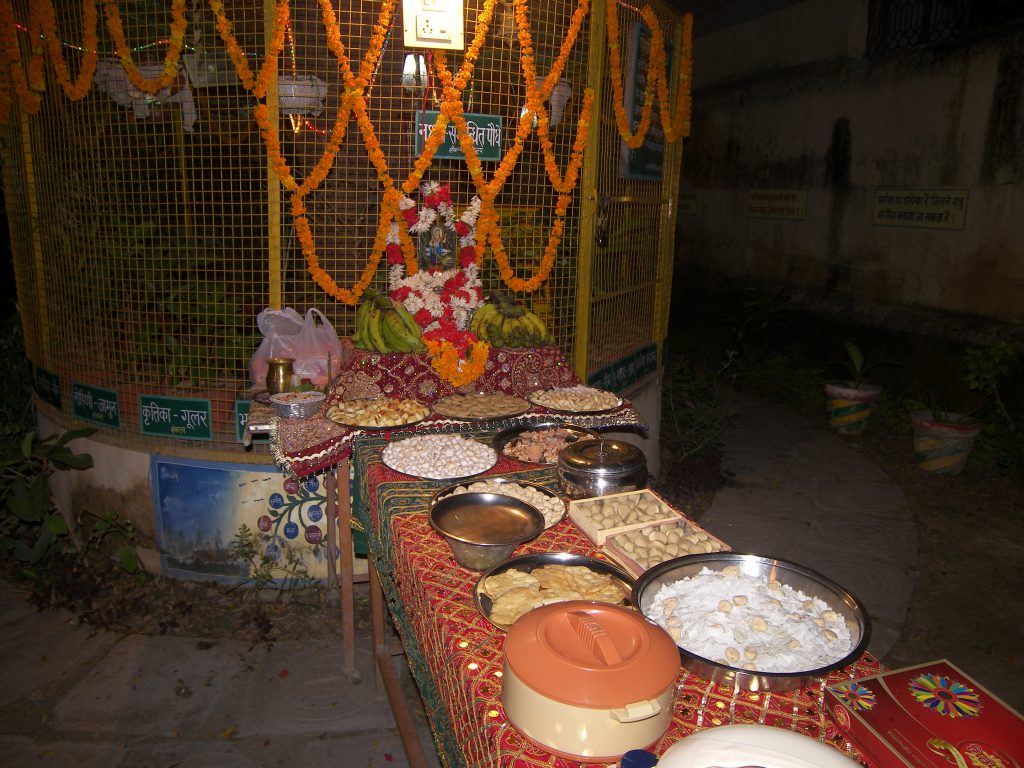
177 39
46 18
11 72
28 84
268 70
657 80
453 367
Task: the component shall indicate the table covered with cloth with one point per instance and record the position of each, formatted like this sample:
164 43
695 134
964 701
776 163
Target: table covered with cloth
305 446
456 655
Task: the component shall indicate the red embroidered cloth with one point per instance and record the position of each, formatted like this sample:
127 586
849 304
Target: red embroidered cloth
456 655
305 446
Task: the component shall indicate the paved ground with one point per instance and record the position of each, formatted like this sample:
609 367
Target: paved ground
84 699
801 493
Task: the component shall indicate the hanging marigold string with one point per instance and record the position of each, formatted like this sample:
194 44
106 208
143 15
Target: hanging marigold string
633 139
535 99
46 19
179 24
28 84
657 80
268 69
679 126
356 90
13 76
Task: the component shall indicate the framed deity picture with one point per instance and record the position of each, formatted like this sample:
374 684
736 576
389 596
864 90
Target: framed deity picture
437 247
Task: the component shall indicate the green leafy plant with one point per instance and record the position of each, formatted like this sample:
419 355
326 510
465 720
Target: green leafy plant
108 531
856 366
987 369
32 530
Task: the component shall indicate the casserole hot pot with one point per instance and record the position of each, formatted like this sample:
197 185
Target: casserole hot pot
589 680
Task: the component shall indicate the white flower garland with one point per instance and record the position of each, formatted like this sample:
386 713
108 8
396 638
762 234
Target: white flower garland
452 294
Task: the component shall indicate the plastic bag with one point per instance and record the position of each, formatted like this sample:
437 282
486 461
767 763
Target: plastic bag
313 346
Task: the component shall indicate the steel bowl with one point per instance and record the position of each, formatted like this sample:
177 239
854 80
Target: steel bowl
483 529
601 467
798 577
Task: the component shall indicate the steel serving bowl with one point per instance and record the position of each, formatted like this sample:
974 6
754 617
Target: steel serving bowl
483 529
601 467
797 577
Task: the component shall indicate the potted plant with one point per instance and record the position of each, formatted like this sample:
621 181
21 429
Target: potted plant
849 402
943 439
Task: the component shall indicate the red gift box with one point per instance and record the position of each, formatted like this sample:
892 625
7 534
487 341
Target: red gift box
929 716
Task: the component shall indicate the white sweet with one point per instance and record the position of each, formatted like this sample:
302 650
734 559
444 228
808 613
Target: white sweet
717 614
551 507
439 456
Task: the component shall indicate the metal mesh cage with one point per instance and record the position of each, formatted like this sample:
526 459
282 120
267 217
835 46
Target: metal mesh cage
150 230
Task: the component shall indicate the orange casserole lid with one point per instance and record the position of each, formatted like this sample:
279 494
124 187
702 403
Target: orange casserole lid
591 654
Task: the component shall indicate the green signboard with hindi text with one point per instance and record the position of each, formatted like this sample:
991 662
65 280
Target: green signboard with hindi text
627 371
96 404
181 417
47 385
485 130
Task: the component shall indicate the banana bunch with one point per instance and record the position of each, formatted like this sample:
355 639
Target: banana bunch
384 325
503 323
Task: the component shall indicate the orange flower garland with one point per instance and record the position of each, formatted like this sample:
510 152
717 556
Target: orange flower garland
178 26
28 85
534 99
46 19
657 80
680 126
10 66
268 70
457 371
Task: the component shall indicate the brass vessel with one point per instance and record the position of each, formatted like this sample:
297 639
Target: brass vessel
279 374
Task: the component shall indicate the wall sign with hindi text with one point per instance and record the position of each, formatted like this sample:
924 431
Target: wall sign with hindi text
777 204
929 208
47 386
485 130
182 417
96 404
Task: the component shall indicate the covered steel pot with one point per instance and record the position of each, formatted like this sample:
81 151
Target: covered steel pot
600 467
589 680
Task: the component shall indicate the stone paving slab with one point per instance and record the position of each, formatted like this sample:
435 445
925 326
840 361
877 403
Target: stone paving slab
47 647
18 751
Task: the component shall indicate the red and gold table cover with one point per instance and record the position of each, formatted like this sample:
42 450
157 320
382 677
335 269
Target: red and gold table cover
305 446
456 655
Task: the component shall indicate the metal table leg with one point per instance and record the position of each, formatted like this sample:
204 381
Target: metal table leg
382 655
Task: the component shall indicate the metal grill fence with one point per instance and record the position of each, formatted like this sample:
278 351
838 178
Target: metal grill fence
148 232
